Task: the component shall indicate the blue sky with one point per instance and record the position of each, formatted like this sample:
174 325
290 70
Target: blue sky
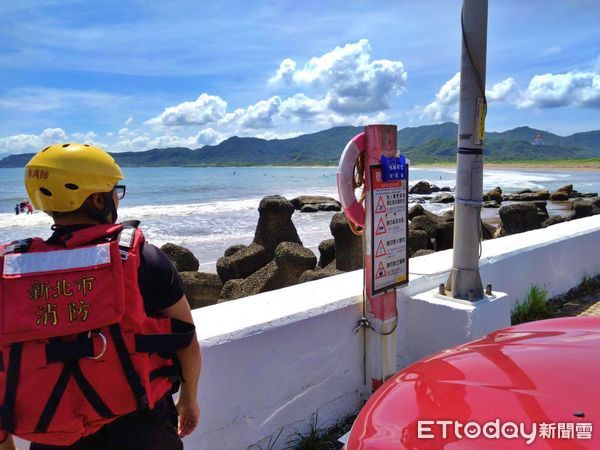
132 75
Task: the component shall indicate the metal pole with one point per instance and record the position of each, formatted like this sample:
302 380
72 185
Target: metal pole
464 281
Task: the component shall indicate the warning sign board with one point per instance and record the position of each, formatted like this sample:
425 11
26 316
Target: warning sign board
381 229
389 234
380 206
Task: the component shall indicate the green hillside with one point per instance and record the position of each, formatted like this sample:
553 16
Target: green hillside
429 143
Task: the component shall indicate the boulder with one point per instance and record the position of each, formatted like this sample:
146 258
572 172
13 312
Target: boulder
444 237
443 198
553 221
183 259
582 209
422 253
567 189
326 252
446 189
330 207
320 202
559 196
234 249
414 211
488 231
274 227
243 263
596 202
491 204
519 217
418 210
275 223
229 288
201 289
422 187
317 274
448 216
309 208
417 240
425 223
291 260
528 196
348 246
542 211
435 188
493 195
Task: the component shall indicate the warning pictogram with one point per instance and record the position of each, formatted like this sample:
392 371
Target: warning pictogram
380 206
380 250
380 271
381 229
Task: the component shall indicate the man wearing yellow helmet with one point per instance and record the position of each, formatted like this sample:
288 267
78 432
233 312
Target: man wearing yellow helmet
78 186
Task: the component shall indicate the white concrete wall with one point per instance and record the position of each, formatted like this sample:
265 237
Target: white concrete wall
272 360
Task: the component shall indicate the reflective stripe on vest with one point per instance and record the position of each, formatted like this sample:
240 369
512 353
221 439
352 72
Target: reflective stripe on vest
58 260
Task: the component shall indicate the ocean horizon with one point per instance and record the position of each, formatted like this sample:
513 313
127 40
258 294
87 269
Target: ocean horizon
208 209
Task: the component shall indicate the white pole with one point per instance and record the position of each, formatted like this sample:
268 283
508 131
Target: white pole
464 281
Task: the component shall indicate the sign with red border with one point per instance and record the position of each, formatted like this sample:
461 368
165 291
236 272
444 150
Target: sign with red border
389 233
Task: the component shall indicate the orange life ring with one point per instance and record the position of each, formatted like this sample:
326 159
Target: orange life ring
354 210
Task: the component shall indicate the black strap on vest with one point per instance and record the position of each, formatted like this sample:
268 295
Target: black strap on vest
165 372
180 337
58 350
71 368
12 381
132 376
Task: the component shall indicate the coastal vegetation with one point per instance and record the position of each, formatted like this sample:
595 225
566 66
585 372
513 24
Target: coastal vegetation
427 144
533 307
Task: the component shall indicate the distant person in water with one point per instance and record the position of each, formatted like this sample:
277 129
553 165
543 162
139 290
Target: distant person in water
22 207
29 208
17 209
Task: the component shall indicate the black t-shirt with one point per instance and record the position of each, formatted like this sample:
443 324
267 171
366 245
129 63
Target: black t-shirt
158 279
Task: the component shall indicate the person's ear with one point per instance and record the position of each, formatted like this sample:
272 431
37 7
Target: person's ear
97 201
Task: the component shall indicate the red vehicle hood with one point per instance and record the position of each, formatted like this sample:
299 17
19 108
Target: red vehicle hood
540 372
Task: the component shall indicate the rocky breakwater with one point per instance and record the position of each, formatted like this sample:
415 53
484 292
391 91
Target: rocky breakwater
201 289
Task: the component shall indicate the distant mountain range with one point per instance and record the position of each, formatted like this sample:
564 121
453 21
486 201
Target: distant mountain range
429 143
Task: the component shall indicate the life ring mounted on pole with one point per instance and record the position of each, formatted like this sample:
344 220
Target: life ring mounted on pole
350 176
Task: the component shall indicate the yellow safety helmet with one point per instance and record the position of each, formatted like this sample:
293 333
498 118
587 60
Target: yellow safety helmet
62 176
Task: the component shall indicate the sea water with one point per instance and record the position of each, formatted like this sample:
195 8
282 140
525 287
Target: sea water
210 209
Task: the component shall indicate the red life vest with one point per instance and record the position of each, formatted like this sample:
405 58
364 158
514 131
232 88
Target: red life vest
77 349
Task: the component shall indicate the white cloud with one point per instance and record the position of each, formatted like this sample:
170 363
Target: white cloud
269 135
28 143
501 91
86 138
285 73
129 121
259 115
349 79
205 109
445 105
131 140
580 89
209 136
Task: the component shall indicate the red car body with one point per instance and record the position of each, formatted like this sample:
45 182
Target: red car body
545 372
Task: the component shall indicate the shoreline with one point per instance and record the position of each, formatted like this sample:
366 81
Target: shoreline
587 166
